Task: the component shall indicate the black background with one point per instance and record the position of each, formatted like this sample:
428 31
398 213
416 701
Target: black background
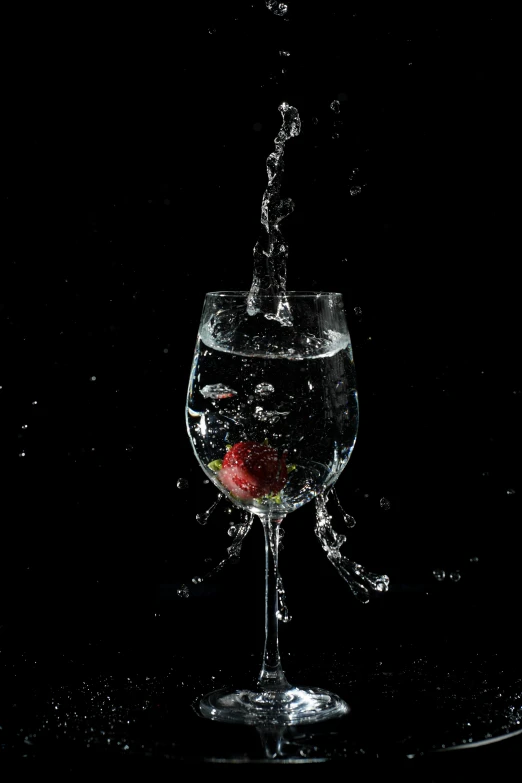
135 167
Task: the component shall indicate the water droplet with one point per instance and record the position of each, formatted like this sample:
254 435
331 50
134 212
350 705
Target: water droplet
196 580
129 447
355 190
349 521
335 106
455 576
357 311
283 53
22 454
511 492
182 483
204 517
439 574
335 135
183 591
232 530
35 402
315 120
474 559
211 30
385 504
228 510
217 391
92 378
24 426
279 9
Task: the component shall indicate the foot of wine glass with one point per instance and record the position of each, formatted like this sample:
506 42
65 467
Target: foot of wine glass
275 701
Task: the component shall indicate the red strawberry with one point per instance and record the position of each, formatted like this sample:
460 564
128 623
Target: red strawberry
251 470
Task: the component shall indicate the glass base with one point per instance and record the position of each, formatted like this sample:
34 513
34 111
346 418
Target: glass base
272 708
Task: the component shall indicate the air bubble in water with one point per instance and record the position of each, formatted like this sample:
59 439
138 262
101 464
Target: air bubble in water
439 574
455 576
182 483
217 391
385 504
335 106
355 190
264 389
183 591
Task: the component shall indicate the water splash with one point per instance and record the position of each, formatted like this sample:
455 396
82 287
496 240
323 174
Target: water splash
270 251
239 533
282 613
359 580
348 520
204 517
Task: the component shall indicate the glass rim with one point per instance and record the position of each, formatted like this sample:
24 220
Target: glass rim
294 294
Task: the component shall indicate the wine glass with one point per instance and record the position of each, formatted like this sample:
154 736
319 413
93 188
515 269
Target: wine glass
272 415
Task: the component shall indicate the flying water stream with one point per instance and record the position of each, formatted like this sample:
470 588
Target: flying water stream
268 291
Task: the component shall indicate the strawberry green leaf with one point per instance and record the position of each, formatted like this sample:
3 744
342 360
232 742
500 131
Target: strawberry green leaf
215 465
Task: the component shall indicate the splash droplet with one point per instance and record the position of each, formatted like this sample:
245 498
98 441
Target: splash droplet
385 504
279 9
355 190
335 106
183 591
182 483
439 574
455 576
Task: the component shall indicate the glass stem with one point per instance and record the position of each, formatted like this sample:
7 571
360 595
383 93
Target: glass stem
272 676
